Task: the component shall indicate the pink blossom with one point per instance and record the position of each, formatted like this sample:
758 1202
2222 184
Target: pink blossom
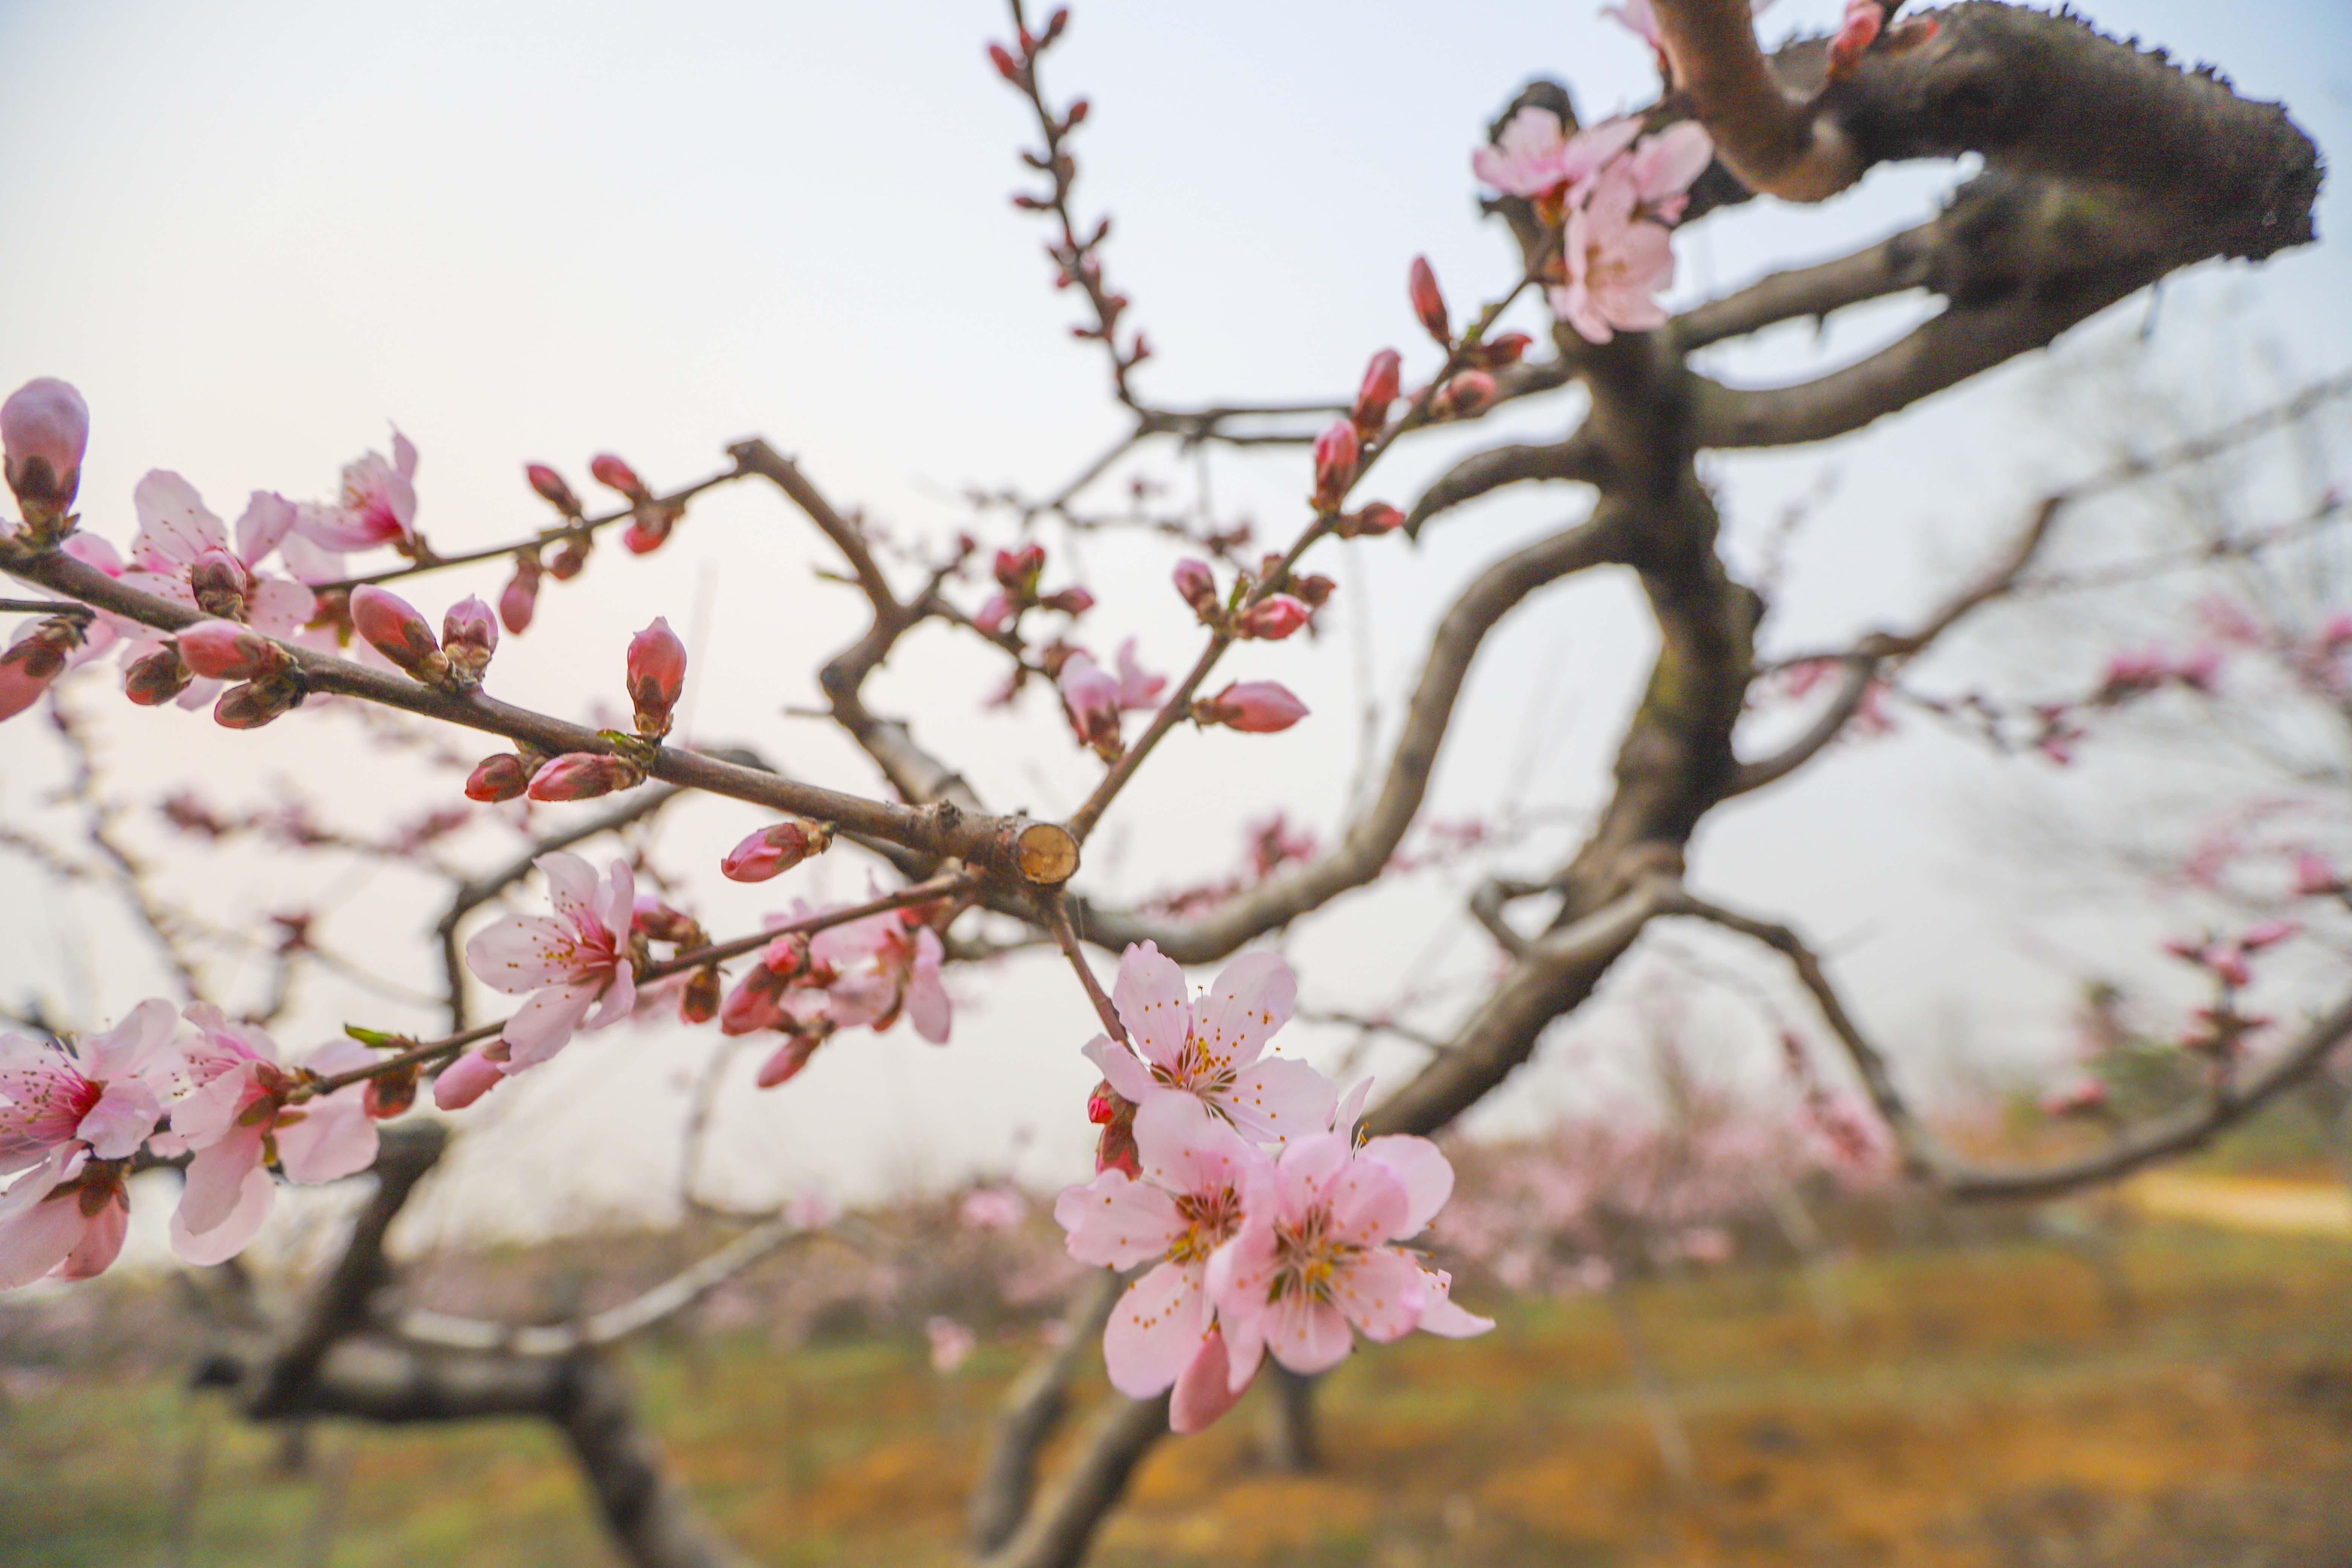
951 1343
1463 394
67 1217
1534 155
883 965
1274 618
1618 259
2266 933
1259 707
2315 874
44 431
176 532
994 614
106 1093
1211 1047
238 1119
992 1208
1090 702
1197 586
611 471
465 1080
1137 686
1311 1260
568 960
1195 1170
377 506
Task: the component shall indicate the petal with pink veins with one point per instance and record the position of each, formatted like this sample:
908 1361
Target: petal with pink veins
1184 1147
523 953
1442 1316
544 1024
1427 1175
927 1007
1368 1204
620 999
1307 1334
1151 1002
1382 1292
335 1137
1118 1064
174 527
1118 1223
239 1226
1155 1330
570 887
279 607
1253 997
126 1047
269 518
120 1120
102 1238
1280 1100
217 1176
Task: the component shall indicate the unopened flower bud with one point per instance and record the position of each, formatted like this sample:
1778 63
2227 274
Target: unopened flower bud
756 1003
1382 385
1090 702
614 474
2267 933
1465 394
1069 601
395 630
220 584
648 527
35 660
155 678
1376 519
582 775
995 614
787 957
657 922
44 431
1274 618
1260 707
465 1080
552 489
503 777
469 635
390 1094
258 702
697 1001
1017 570
1197 586
775 850
1505 349
223 650
657 675
1337 452
1855 34
519 600
790 1057
1006 65
1428 302
570 558
1314 588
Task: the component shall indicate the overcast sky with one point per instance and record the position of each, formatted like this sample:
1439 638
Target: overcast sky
257 233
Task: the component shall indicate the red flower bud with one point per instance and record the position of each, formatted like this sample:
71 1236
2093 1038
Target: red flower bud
469 635
1197 586
1017 570
582 775
787 956
648 528
258 703
157 679
223 650
552 489
1382 385
570 559
657 922
614 474
755 1003
1337 452
502 777
1006 65
1464 395
220 584
1428 303
1496 352
698 1002
1315 588
775 850
1376 519
393 626
657 675
790 1057
1069 601
389 1094
1260 707
1273 617
34 660
519 598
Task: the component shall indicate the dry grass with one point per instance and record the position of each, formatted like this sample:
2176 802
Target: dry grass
2186 1403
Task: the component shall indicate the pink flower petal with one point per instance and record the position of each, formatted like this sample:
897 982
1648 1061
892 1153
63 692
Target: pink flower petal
101 1242
544 1024
1382 1292
1279 1099
1116 1223
570 887
216 1179
1186 1148
128 1047
120 1120
1204 1390
523 953
1307 1334
1441 1315
1150 997
1118 1064
1156 1330
335 1137
1427 1175
243 1222
927 1007
174 527
1252 998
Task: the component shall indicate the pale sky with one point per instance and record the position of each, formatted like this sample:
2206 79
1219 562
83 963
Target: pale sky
255 234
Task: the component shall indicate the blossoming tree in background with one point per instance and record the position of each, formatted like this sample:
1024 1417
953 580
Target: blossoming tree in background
1244 1206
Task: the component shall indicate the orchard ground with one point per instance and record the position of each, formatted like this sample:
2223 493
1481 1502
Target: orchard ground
2098 1385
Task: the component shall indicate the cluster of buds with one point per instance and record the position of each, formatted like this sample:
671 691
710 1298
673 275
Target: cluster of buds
2130 675
393 627
44 431
651 518
220 584
505 776
1259 707
1018 574
772 851
2229 962
35 658
1015 68
1270 618
651 920
657 677
223 650
1470 392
